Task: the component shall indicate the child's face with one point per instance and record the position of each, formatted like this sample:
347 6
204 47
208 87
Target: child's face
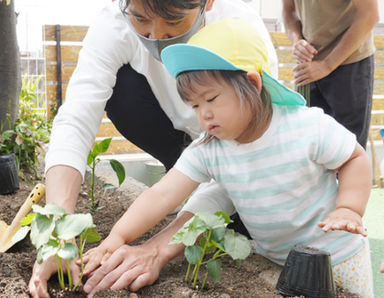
219 111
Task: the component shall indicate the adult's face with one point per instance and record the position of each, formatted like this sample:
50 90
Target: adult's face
153 26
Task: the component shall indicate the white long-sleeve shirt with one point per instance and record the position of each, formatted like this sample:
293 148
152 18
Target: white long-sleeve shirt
109 44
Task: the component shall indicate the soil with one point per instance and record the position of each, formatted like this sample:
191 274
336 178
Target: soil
257 276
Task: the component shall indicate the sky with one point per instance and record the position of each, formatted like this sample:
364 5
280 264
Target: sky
35 13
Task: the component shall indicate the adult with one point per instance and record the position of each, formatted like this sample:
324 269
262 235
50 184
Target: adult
333 44
119 72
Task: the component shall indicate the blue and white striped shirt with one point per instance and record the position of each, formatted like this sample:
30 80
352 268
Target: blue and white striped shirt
283 183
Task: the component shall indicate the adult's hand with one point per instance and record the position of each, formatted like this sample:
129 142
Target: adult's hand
307 72
42 273
303 51
131 267
134 267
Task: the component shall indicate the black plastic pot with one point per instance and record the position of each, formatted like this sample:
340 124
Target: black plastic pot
308 272
9 179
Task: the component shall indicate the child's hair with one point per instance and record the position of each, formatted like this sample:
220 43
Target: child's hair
167 9
259 104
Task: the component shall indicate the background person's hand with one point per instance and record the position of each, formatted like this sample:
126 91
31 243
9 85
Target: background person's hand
302 51
307 72
343 219
131 267
42 273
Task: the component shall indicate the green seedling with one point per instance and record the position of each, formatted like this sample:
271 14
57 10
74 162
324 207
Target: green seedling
215 239
54 232
92 161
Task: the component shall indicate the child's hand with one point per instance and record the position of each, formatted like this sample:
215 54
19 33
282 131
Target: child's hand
94 258
343 219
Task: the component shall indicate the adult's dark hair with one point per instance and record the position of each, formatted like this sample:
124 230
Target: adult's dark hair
164 8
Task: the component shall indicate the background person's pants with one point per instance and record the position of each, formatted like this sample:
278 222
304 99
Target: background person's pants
346 95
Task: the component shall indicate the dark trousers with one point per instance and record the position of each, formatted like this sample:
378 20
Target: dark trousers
346 95
137 115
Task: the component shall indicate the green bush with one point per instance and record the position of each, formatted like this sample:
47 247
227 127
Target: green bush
30 131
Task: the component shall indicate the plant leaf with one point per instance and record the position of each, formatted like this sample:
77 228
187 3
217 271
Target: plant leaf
73 225
49 209
214 269
68 252
179 236
224 215
89 158
91 235
119 170
191 230
193 253
20 234
212 221
218 234
47 250
236 245
28 219
41 230
101 147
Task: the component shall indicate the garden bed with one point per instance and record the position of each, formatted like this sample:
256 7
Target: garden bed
256 278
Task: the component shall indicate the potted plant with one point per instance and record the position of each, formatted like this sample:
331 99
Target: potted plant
21 142
8 168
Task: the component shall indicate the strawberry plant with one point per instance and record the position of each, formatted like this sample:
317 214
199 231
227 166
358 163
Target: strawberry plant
215 239
92 161
54 232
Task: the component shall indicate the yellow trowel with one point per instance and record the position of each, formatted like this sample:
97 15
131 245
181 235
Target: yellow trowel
7 232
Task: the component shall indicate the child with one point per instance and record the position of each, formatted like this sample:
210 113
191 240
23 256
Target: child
275 157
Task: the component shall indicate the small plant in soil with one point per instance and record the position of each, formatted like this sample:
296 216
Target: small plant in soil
215 242
54 233
92 161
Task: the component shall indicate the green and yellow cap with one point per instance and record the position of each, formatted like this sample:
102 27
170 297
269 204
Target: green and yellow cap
228 44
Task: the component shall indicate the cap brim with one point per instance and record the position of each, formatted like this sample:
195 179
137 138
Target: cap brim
179 58
281 94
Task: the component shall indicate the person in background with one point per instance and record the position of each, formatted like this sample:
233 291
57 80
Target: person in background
333 45
119 71
277 159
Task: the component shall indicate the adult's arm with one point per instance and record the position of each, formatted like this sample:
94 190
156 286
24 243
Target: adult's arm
302 51
365 18
106 48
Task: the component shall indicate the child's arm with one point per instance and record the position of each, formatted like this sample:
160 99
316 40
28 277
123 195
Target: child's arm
354 189
144 213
